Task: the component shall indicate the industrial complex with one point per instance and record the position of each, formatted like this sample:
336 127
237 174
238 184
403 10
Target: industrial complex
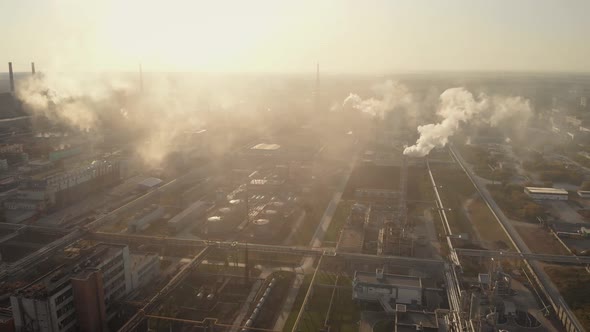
287 222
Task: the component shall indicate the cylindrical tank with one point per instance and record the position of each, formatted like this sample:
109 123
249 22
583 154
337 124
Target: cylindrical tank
262 228
271 214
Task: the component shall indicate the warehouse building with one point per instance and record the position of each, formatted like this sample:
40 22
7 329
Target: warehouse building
145 218
387 288
193 214
546 193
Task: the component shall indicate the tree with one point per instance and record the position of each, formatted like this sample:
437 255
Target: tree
532 210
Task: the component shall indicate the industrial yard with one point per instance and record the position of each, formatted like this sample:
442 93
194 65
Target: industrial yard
274 214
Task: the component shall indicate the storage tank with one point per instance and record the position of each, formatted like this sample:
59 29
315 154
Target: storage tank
276 204
271 214
262 228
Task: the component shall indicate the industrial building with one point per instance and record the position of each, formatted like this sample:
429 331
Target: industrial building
546 193
80 295
145 217
56 188
193 213
387 288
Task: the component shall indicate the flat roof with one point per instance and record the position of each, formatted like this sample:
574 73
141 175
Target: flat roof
550 191
87 258
137 260
150 182
266 146
388 279
197 207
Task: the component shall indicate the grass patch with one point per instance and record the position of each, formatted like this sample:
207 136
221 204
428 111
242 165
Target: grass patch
344 312
515 203
297 304
487 226
314 206
568 280
338 221
454 189
384 326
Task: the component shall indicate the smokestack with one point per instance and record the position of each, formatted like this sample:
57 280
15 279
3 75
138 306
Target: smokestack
11 76
33 68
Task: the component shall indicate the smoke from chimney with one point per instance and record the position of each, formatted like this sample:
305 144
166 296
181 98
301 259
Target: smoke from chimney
459 106
388 95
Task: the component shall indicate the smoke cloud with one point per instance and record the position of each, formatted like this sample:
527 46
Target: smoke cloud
69 101
458 106
108 106
388 96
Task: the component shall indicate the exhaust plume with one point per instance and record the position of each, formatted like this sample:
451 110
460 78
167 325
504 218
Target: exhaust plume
388 96
153 124
457 106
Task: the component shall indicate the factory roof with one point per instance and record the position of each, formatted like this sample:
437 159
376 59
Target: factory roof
150 182
137 260
88 258
546 191
266 146
388 279
195 207
262 182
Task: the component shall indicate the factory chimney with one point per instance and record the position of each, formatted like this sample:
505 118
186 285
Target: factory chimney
11 77
33 68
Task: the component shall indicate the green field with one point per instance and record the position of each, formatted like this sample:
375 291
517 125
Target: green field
344 316
338 221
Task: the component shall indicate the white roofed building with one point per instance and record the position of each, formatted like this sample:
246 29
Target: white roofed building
547 193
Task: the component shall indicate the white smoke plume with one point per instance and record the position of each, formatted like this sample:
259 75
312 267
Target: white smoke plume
153 124
67 100
388 95
458 106
95 103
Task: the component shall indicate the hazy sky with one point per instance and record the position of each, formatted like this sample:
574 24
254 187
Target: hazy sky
290 35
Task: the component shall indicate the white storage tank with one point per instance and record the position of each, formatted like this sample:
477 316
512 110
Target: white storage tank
272 215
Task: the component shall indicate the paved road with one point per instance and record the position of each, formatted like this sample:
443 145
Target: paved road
546 283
